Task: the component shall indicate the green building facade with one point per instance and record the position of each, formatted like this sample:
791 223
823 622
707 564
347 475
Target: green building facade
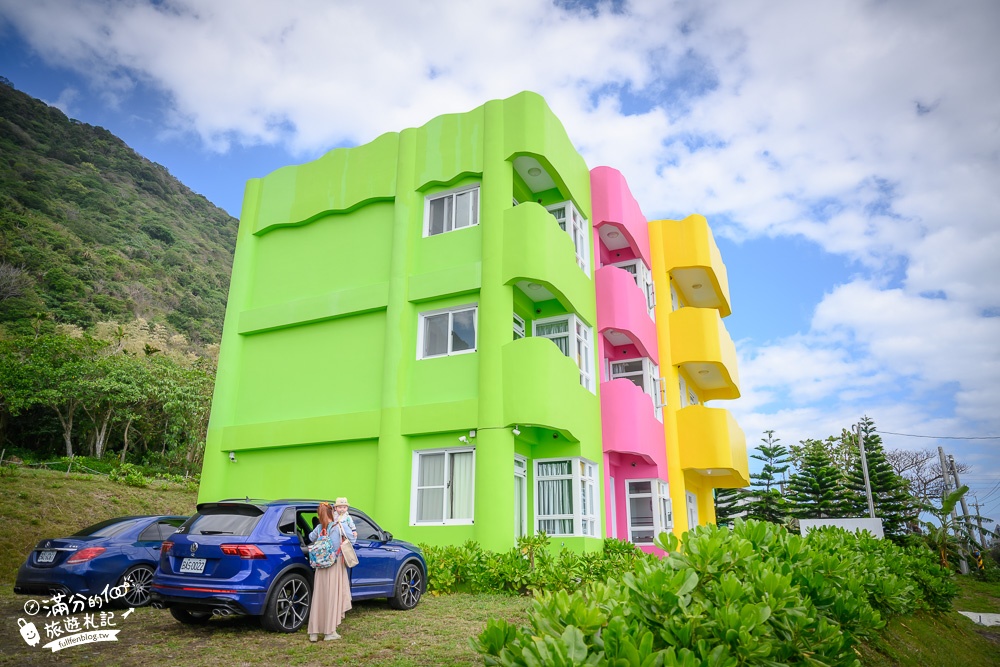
390 327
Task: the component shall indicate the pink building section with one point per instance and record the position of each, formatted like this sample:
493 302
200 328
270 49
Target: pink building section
634 446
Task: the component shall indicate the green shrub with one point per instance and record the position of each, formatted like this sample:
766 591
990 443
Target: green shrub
129 475
755 594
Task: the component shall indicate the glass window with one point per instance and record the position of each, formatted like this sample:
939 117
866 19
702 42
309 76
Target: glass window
643 279
366 531
452 210
644 374
520 496
566 497
443 486
574 339
648 509
447 332
518 327
574 224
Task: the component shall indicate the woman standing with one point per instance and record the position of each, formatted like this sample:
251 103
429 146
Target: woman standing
331 596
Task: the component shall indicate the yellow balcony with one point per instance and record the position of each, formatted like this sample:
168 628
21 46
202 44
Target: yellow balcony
701 346
713 445
693 261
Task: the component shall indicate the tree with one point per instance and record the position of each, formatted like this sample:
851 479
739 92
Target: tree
729 505
50 371
816 489
890 492
119 383
922 469
766 501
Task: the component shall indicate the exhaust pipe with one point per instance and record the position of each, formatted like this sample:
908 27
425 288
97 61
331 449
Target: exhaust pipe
156 605
221 612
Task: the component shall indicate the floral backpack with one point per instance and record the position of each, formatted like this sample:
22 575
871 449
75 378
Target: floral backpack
322 552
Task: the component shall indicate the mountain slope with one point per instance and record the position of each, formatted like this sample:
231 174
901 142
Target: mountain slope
91 231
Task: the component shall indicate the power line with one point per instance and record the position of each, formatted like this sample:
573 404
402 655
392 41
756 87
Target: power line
942 437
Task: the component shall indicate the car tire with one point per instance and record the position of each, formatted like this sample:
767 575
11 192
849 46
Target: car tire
409 586
190 617
288 605
140 579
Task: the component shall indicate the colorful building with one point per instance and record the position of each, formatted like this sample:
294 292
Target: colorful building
437 325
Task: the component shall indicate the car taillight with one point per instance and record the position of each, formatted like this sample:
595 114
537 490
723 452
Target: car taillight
83 555
166 547
246 551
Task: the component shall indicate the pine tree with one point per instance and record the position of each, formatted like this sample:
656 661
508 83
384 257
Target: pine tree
729 505
816 489
766 501
890 492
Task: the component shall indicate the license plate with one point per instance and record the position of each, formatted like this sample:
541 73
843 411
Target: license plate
46 556
196 565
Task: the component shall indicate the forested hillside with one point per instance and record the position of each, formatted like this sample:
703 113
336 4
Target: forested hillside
91 231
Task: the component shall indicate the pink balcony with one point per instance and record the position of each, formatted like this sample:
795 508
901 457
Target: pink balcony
630 428
622 316
616 215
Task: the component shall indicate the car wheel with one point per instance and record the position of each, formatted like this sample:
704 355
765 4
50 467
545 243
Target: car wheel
139 580
409 586
288 607
190 617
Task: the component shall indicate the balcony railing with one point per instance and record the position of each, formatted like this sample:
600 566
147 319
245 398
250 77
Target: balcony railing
701 346
713 445
692 259
629 424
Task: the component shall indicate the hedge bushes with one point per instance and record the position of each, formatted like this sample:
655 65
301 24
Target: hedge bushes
528 568
755 595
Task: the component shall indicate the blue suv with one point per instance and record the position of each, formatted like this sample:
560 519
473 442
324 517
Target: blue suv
248 557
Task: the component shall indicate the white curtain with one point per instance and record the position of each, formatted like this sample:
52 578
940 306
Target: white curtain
462 478
430 487
557 332
555 496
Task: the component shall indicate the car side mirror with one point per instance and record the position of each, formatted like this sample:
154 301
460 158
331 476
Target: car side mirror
386 536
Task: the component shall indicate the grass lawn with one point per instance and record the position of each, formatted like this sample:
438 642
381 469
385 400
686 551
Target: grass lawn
436 632
38 504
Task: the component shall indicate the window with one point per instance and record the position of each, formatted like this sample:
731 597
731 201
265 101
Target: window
451 210
648 509
366 531
574 224
688 397
443 486
644 374
520 496
573 338
675 302
566 497
692 510
518 327
643 279
447 332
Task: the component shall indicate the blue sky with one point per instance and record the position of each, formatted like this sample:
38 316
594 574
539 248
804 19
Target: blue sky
846 154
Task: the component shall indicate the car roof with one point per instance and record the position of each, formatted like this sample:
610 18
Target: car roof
263 504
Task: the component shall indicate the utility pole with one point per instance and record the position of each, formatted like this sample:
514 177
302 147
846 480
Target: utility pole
963 565
864 469
979 521
958 485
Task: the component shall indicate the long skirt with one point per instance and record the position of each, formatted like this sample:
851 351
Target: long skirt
331 598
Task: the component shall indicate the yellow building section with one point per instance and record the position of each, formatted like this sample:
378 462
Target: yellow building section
706 448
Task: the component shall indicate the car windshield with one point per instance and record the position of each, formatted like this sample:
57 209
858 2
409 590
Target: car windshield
105 528
224 521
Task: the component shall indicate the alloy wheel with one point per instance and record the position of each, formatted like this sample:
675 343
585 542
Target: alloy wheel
292 605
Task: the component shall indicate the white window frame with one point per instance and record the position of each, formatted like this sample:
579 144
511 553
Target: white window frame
659 503
675 300
578 230
449 224
446 497
614 509
583 473
521 472
650 374
580 337
451 327
692 509
643 278
688 395
518 322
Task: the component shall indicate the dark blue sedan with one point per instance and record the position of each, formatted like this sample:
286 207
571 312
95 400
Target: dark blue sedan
248 557
109 553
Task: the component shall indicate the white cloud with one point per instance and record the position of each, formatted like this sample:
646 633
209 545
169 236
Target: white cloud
870 128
